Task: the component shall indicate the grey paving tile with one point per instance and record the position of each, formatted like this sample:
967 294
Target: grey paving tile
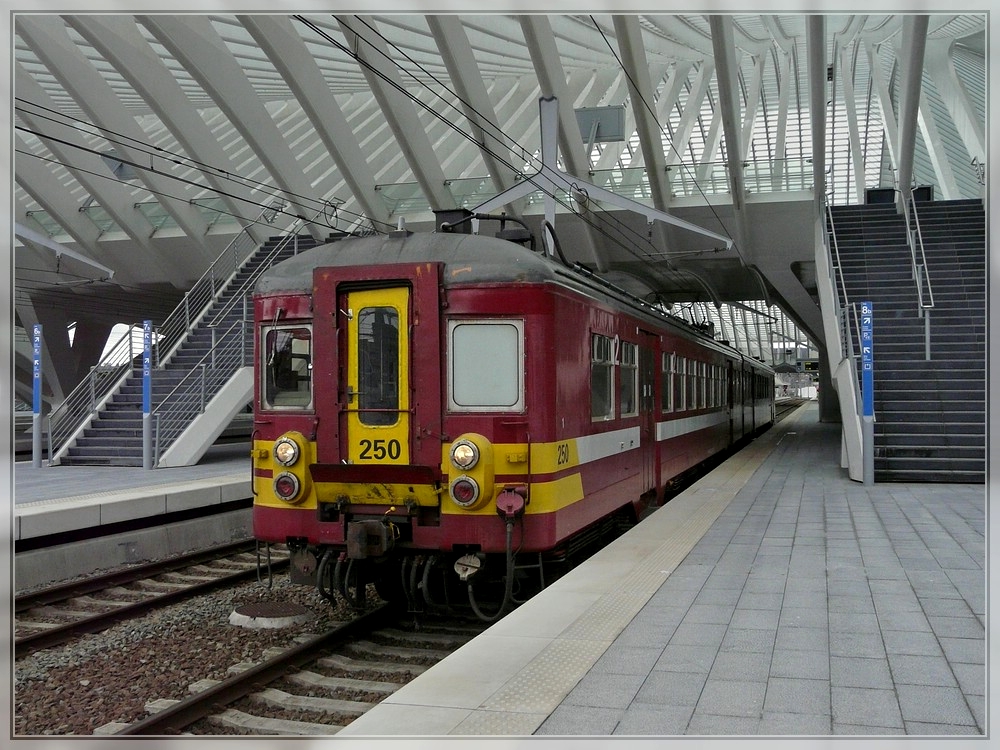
790 695
707 724
865 645
935 705
918 644
964 650
743 666
854 622
698 634
731 698
860 603
802 639
626 659
721 597
715 614
581 720
604 690
956 627
756 600
671 689
803 617
921 670
923 729
940 605
810 665
856 672
911 622
755 619
840 728
971 678
772 723
693 659
866 707
748 639
640 719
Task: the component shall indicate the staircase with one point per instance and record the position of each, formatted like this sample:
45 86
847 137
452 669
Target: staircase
187 370
930 416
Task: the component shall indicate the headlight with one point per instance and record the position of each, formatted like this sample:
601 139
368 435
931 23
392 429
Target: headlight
464 454
286 486
464 491
286 451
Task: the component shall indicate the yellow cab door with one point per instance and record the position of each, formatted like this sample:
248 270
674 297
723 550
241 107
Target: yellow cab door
377 377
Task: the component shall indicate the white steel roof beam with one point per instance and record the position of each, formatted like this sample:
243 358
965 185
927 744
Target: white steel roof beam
845 75
203 53
884 101
39 182
118 40
633 55
288 53
552 78
816 72
943 173
47 36
69 147
386 84
463 69
692 109
913 42
967 121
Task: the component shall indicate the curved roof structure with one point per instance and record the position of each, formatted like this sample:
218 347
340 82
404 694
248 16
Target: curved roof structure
144 143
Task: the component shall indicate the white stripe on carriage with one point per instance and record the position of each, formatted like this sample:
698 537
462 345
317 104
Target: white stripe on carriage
677 427
595 447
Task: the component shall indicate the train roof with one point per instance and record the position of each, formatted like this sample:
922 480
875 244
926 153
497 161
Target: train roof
468 259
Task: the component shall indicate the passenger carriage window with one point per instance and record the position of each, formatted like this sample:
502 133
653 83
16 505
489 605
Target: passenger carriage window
666 381
287 353
680 386
378 366
486 365
630 380
601 378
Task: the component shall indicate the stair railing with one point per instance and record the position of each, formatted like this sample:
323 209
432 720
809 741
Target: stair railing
91 393
200 384
918 266
171 333
225 355
840 287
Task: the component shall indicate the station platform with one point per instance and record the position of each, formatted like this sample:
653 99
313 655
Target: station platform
114 502
774 597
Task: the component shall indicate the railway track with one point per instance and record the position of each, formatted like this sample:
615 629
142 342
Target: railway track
58 614
315 687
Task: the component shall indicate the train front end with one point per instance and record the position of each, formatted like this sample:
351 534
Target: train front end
353 468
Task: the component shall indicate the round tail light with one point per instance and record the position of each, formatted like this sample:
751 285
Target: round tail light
464 491
286 486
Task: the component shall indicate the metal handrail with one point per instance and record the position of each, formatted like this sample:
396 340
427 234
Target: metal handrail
104 378
840 286
84 401
921 275
197 300
206 379
915 238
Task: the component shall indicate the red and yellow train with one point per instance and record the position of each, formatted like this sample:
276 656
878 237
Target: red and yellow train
442 414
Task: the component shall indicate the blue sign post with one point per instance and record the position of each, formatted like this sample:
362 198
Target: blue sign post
36 395
868 390
147 394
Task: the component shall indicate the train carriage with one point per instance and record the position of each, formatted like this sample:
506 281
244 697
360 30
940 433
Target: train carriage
444 412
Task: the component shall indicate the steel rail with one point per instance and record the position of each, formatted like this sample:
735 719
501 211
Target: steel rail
171 720
103 620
